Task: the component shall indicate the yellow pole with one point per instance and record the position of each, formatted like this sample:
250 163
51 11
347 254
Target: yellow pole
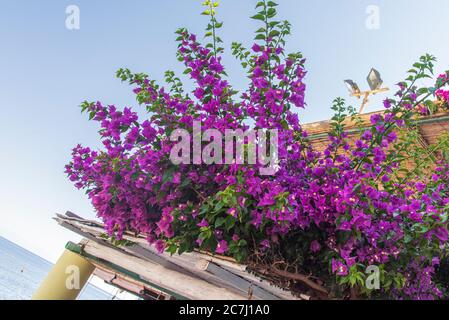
66 279
365 101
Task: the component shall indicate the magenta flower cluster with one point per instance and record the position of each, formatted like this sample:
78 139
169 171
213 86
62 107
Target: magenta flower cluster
346 205
442 94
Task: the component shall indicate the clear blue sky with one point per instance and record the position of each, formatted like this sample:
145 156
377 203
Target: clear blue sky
46 70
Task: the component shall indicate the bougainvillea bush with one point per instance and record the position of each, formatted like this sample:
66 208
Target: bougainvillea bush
321 221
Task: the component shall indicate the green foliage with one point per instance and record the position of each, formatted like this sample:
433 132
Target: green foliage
212 27
176 87
117 242
242 54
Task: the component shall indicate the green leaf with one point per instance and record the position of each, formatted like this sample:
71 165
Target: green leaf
206 234
352 281
183 247
185 183
258 17
172 249
242 243
168 175
274 33
422 91
230 222
271 13
219 222
219 206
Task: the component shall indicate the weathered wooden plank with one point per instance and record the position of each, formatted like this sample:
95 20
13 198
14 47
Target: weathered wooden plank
127 283
192 288
250 288
186 263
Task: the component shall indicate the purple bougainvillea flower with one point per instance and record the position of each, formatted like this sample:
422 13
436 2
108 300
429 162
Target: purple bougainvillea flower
315 246
375 118
177 178
233 212
265 244
339 268
222 247
160 246
256 48
442 234
436 261
257 72
199 93
241 201
203 224
345 226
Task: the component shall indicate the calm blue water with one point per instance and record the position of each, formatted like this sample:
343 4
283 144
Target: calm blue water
21 272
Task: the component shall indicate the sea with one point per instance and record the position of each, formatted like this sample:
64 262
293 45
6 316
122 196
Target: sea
21 273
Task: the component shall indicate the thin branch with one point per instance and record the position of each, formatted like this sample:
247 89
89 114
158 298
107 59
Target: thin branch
299 277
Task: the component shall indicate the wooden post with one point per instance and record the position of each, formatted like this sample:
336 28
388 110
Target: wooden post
66 279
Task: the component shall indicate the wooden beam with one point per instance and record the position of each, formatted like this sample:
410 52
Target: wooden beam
246 287
128 284
192 288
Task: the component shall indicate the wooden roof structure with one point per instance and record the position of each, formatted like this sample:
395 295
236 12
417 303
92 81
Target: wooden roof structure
136 267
